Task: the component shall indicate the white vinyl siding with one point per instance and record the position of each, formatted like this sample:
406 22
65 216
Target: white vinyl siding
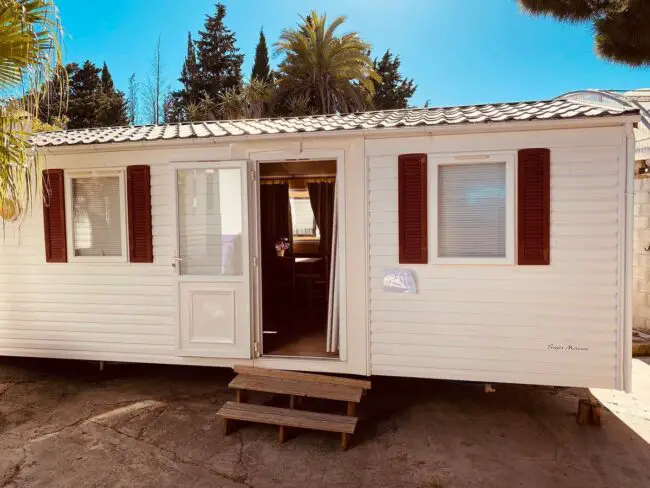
123 311
472 210
88 308
503 322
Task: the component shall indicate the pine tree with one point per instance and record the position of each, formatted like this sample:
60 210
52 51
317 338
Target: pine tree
261 69
219 62
394 91
112 110
93 100
83 102
107 80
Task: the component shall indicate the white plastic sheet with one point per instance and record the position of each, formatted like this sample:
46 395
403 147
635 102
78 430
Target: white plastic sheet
399 280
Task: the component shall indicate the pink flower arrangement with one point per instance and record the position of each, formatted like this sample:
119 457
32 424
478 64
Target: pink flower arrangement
282 244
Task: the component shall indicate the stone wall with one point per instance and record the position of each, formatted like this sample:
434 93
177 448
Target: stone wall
641 257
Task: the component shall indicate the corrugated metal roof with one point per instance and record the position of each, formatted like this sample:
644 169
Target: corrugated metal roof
387 119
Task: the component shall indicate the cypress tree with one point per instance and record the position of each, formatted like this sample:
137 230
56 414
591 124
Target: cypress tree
107 80
189 93
190 72
394 91
261 69
219 62
83 101
93 100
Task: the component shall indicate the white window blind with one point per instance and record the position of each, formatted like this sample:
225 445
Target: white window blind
302 215
472 210
97 216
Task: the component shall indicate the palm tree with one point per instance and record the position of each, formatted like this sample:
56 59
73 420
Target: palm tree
251 101
30 53
334 72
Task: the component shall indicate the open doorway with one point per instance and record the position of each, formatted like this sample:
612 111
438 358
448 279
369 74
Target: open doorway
298 239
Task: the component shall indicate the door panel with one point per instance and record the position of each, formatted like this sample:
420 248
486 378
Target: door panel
211 316
212 260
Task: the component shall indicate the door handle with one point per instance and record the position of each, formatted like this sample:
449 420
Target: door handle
176 259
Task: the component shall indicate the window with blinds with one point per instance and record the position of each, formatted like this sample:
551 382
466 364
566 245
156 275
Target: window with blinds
97 225
472 210
302 215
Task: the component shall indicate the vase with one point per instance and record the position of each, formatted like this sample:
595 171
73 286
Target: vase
280 252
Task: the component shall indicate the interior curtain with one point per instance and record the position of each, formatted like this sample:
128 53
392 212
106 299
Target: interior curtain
333 292
321 196
275 216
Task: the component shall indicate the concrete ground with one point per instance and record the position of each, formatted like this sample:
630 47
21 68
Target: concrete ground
65 424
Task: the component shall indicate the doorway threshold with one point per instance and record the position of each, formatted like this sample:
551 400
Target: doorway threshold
309 358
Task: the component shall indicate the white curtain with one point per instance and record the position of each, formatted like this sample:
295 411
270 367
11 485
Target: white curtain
333 302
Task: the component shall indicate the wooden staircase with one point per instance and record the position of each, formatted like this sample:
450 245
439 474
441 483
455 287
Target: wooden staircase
296 386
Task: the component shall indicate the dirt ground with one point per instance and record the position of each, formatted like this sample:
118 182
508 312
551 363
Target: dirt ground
65 424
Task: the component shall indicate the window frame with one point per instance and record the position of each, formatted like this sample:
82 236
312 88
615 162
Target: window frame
435 161
104 172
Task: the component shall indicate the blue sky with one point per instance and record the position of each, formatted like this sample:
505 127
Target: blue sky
458 52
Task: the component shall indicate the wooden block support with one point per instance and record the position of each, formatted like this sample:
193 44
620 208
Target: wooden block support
595 417
584 408
589 413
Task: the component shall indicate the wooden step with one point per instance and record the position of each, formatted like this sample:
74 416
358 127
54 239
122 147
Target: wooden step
301 419
294 375
286 418
299 388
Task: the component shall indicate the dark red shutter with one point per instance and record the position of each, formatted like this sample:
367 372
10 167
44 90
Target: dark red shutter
412 189
54 216
138 182
534 206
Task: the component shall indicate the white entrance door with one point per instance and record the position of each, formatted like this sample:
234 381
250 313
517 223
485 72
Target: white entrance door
212 259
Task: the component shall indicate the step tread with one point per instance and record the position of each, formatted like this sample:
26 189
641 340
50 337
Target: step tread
299 388
288 417
295 375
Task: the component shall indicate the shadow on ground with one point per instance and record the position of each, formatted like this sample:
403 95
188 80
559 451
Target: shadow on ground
66 424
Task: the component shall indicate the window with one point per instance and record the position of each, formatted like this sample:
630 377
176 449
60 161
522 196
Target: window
210 221
96 212
474 209
302 216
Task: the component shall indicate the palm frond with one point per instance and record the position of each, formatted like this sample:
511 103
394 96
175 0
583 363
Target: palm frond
30 55
333 72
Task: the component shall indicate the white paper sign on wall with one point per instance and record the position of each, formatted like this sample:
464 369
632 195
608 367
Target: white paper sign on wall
399 280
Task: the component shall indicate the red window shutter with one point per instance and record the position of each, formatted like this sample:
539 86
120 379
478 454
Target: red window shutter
54 216
412 215
534 206
138 182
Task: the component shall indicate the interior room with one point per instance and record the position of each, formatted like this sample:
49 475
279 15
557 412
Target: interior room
298 248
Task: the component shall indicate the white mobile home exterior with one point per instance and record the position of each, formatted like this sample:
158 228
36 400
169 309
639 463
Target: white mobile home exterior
566 323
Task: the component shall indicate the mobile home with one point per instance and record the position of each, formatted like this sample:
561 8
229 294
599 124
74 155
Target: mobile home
487 243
